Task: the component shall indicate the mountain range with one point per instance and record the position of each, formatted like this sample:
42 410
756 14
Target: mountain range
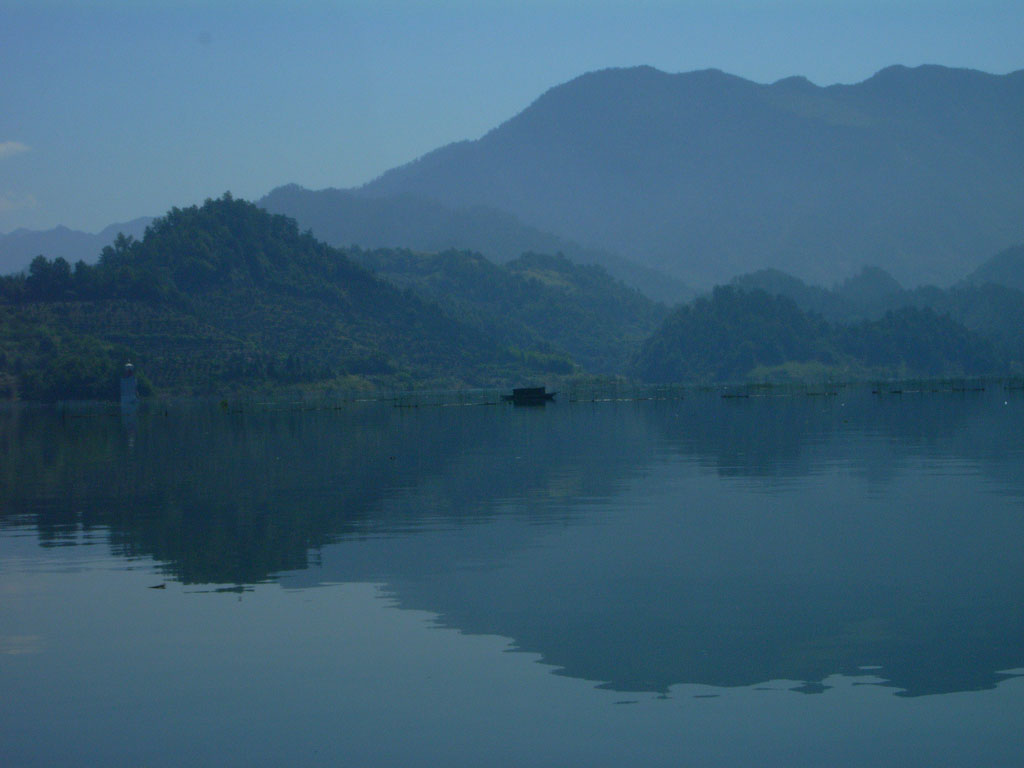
680 181
989 300
706 175
343 218
18 248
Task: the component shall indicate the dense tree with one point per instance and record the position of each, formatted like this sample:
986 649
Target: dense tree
725 335
227 295
539 300
733 333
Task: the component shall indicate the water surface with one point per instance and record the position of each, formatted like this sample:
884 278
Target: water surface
775 580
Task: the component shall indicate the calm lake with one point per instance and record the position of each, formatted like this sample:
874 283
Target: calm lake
785 580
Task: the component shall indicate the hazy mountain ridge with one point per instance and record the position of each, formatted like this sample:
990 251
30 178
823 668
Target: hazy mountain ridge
866 295
343 218
708 175
18 248
1005 268
989 301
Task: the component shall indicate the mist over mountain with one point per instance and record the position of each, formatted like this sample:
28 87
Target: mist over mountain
1005 268
707 176
18 248
989 302
343 218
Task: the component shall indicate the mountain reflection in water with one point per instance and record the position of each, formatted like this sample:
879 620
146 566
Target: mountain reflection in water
640 545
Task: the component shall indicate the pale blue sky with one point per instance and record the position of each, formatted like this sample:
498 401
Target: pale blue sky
114 109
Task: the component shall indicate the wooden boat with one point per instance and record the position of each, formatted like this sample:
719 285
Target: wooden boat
529 396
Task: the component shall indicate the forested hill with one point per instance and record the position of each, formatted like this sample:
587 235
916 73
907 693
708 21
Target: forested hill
735 335
227 295
531 300
344 219
989 301
709 176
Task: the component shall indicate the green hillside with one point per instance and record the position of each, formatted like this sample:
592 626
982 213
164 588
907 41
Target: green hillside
533 301
228 297
732 335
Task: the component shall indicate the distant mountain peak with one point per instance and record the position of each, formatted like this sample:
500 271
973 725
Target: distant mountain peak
1006 268
707 175
19 247
928 76
795 82
871 280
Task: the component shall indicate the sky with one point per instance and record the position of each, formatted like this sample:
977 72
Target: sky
114 109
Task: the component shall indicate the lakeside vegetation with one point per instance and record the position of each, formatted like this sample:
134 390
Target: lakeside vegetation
228 299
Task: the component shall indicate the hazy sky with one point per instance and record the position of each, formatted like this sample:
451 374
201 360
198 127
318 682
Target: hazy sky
113 109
